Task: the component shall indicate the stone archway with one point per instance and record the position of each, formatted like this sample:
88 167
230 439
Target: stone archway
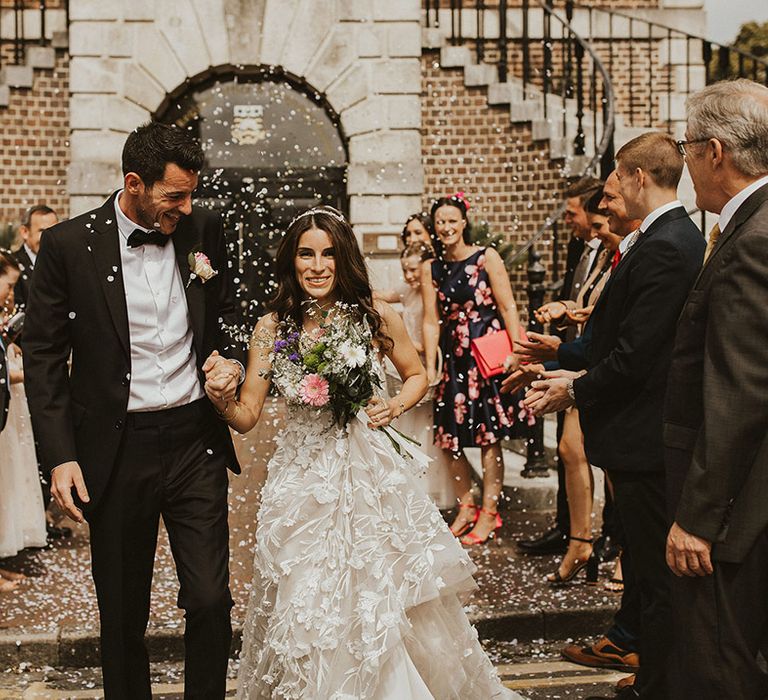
273 148
361 56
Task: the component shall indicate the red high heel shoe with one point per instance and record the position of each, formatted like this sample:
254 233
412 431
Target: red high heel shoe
472 538
469 524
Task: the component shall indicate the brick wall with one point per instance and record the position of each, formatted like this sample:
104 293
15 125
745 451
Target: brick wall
34 143
467 145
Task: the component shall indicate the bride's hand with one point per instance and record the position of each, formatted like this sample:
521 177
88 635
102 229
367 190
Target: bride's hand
379 411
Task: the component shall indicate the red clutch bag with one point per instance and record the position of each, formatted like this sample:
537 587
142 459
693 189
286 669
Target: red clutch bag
491 351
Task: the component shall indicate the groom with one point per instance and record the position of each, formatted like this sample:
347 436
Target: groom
137 291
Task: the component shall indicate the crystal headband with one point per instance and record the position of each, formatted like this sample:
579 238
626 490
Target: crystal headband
317 210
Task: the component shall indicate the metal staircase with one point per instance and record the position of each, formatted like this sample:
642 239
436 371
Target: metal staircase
583 77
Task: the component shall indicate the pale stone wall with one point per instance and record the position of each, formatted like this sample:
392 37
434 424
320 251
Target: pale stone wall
362 55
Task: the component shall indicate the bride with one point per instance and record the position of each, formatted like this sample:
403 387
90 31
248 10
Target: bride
358 582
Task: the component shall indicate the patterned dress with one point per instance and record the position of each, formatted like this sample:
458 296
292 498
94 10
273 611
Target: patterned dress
469 411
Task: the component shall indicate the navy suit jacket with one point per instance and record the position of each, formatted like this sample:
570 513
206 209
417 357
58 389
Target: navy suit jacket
630 337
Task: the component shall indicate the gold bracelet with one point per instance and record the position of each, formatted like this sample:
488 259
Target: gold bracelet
223 414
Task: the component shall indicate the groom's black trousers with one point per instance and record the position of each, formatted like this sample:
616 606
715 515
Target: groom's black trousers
170 463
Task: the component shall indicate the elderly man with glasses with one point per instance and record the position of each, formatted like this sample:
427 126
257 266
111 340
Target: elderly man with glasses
716 412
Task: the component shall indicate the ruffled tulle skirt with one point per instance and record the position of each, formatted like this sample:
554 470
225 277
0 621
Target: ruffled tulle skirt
358 583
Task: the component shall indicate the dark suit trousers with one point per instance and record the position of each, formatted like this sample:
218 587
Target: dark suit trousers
641 507
722 621
170 464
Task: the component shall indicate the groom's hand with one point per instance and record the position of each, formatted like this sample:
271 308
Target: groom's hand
64 478
221 377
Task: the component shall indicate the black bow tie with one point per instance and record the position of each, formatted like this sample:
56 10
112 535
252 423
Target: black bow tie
141 237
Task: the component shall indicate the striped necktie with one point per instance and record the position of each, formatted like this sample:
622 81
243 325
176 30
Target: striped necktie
714 234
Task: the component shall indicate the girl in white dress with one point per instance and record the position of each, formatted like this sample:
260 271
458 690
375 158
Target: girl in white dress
22 514
358 583
418 422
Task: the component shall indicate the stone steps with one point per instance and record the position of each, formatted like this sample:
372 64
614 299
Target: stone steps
22 76
526 104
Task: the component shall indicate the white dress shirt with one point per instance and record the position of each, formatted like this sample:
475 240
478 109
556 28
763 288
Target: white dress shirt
737 200
656 213
32 254
631 239
163 361
626 242
594 246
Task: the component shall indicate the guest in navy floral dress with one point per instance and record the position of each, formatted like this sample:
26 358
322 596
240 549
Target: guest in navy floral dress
467 294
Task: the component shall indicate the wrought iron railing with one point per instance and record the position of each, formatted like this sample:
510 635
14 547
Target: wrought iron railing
655 50
18 40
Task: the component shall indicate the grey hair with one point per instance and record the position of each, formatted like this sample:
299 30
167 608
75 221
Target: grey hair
736 113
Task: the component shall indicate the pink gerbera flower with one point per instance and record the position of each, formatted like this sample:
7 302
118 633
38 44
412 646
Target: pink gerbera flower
313 390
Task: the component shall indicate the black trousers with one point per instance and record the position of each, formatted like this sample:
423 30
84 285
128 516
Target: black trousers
171 465
641 508
722 622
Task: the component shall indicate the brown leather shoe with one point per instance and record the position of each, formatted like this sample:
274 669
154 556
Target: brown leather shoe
626 682
603 654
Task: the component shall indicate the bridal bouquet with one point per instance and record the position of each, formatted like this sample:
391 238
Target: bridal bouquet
334 366
331 366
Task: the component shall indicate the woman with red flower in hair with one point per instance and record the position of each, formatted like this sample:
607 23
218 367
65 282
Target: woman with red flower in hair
467 295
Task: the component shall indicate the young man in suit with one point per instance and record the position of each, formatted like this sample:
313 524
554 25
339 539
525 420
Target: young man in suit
579 262
716 413
618 647
36 220
138 291
620 397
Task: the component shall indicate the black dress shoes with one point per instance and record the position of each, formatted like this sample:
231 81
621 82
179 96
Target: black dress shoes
553 541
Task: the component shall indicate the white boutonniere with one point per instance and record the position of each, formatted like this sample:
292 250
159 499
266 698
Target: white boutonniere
200 266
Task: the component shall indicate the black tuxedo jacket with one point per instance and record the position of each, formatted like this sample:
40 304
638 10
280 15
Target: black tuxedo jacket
77 304
716 409
631 331
21 290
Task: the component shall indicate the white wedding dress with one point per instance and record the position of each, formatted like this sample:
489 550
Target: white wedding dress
358 583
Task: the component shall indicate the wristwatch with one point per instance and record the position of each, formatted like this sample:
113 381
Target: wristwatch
569 389
240 366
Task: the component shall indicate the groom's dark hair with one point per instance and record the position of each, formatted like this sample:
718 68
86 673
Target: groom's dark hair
150 147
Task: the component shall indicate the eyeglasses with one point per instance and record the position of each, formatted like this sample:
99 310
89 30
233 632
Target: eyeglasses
682 144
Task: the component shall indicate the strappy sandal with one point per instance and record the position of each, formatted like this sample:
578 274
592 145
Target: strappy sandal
590 565
467 526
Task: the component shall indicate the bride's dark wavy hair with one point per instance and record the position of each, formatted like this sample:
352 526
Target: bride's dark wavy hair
352 284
